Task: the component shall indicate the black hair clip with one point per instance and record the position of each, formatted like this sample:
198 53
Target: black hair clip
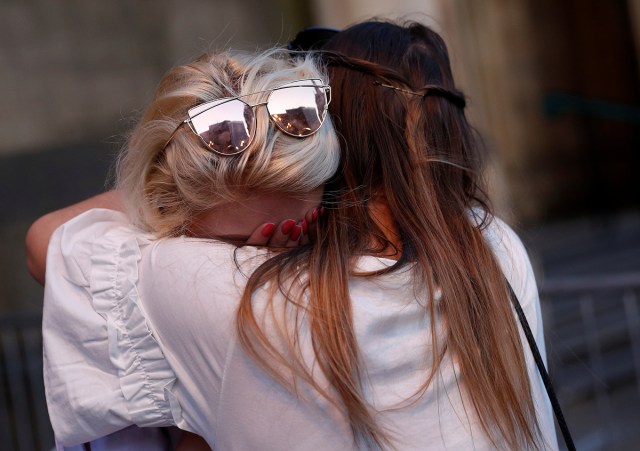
311 38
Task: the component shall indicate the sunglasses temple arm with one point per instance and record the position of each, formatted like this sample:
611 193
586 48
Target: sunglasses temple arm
173 133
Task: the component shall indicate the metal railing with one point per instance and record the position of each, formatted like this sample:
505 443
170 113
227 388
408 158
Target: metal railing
592 327
24 421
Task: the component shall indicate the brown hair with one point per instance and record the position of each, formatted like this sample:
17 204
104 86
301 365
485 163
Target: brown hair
405 138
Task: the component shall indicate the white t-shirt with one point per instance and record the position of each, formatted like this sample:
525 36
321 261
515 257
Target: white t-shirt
142 331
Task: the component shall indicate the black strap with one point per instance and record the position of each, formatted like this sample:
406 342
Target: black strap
543 371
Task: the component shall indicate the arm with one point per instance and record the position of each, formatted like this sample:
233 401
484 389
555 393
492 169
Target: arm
38 235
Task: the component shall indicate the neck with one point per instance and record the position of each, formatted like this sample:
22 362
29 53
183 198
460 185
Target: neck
381 215
239 219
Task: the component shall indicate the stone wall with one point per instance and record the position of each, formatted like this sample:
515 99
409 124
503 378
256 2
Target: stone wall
73 71
73 74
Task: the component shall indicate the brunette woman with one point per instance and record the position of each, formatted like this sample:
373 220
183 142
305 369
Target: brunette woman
438 360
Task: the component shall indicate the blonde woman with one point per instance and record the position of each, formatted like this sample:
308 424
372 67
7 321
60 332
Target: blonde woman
232 147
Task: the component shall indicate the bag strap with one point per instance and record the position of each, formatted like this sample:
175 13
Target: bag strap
543 372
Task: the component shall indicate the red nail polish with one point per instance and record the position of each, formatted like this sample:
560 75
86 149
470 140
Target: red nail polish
305 226
287 226
314 214
295 233
268 229
322 211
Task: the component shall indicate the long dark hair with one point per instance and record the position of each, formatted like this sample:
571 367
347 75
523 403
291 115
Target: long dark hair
404 139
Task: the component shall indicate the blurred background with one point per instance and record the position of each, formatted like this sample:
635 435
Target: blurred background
554 89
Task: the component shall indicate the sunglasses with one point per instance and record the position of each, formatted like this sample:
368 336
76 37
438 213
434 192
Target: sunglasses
227 126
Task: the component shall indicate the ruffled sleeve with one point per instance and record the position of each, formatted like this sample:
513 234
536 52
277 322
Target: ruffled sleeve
103 369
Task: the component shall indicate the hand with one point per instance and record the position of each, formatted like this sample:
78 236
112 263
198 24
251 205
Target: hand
288 233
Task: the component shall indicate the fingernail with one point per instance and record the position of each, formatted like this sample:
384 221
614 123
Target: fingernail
305 226
314 214
295 233
322 211
268 229
287 226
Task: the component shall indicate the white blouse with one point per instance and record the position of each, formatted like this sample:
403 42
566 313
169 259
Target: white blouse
141 331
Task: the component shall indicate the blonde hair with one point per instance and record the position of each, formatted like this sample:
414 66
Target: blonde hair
166 186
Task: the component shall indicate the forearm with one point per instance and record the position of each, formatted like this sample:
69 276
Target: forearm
37 238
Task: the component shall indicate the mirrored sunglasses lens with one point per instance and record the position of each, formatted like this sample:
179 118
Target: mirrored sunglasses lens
298 110
226 128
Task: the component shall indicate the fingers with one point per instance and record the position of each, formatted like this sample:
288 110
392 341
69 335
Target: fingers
287 233
282 235
304 236
311 215
311 219
261 235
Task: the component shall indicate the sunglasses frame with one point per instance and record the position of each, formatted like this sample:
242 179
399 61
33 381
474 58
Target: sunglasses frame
291 84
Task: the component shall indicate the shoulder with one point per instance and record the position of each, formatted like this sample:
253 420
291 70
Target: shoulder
193 284
192 264
73 244
512 257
